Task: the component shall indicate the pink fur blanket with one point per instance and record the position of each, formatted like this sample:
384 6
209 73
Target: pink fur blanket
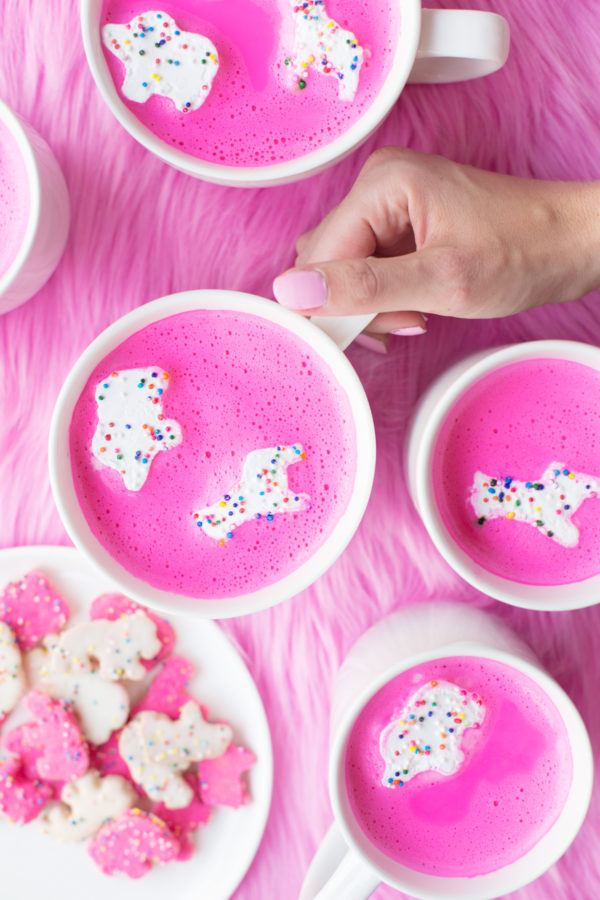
141 230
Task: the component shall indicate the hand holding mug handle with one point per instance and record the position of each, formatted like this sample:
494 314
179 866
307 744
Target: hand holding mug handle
337 873
458 45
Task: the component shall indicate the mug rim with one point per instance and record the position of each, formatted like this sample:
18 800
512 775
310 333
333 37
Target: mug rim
61 472
576 804
559 597
258 176
16 128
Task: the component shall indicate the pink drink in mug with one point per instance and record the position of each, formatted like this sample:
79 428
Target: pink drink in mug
237 383
257 112
501 799
531 423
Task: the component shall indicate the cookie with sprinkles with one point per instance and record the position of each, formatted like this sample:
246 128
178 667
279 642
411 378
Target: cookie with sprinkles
64 754
160 58
221 779
132 844
115 606
12 675
321 45
263 492
21 798
33 609
428 733
86 804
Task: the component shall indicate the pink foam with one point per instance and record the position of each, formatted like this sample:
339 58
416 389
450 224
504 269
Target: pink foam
113 606
33 608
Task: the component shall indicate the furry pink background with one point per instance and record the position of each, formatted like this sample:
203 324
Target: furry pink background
140 230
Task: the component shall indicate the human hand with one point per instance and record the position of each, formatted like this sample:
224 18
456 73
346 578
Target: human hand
421 234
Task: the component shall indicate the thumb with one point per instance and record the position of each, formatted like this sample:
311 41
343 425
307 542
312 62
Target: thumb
359 286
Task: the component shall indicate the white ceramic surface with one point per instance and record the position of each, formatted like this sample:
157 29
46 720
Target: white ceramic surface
226 845
434 45
396 643
46 233
426 422
62 480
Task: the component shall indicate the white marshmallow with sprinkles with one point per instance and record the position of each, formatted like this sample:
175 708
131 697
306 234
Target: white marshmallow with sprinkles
323 45
262 492
132 428
547 503
428 733
160 58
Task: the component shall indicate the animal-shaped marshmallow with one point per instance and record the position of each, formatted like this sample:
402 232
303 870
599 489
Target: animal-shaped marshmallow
263 491
547 503
324 45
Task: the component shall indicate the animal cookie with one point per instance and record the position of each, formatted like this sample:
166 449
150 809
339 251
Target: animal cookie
183 822
220 779
64 754
12 677
132 427
322 44
160 58
547 504
33 609
115 649
132 843
113 606
158 750
428 733
263 491
100 706
87 804
21 798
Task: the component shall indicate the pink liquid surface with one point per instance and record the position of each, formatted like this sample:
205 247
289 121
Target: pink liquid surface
14 199
237 383
515 422
251 117
509 791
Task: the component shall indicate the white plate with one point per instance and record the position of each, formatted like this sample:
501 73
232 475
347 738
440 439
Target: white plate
33 867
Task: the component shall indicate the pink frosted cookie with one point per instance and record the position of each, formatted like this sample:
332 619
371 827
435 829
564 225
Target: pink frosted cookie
64 754
131 843
220 779
183 822
113 606
21 799
18 741
33 609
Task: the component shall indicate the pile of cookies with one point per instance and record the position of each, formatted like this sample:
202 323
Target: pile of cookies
137 781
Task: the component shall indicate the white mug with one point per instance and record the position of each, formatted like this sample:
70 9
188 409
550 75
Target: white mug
434 46
347 866
329 350
48 221
426 421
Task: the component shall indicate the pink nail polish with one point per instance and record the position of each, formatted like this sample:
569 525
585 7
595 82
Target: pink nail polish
300 290
408 332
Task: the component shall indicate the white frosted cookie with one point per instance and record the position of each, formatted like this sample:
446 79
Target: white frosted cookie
12 678
87 804
114 648
158 751
101 706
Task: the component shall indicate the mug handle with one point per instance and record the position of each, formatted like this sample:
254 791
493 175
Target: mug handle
337 873
458 45
342 329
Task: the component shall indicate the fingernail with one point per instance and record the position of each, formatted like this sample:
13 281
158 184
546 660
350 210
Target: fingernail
408 332
300 290
371 343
